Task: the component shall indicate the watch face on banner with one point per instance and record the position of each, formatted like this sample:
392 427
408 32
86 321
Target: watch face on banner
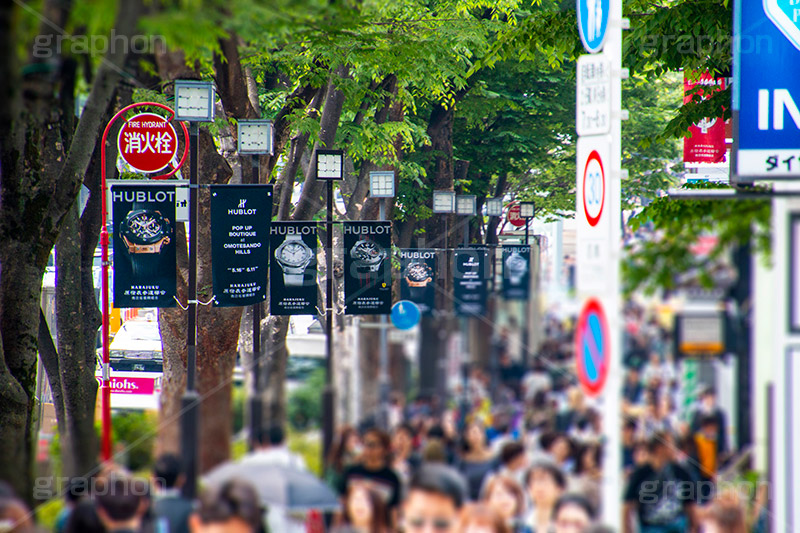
293 268
516 272
144 245
240 222
470 281
418 278
367 264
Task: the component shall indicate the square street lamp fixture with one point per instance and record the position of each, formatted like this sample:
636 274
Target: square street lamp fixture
466 204
255 137
444 202
494 207
194 101
381 184
527 210
330 165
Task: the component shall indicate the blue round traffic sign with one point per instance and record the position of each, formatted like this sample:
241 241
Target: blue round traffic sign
405 314
593 23
592 350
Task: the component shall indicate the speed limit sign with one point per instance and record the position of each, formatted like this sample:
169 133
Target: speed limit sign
594 188
592 209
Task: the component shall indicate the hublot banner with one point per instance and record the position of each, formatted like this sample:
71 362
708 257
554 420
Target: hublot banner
516 272
418 281
470 281
293 270
367 268
144 245
240 224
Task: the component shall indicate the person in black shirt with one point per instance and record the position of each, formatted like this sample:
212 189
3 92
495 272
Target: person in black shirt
375 471
661 492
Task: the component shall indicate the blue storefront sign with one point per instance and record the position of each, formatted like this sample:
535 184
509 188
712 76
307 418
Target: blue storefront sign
766 91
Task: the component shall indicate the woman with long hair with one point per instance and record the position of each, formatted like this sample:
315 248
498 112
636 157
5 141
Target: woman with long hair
344 452
476 460
363 512
504 496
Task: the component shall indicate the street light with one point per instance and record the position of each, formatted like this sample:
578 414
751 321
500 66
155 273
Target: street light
255 138
328 166
444 202
527 210
381 186
194 103
466 205
494 207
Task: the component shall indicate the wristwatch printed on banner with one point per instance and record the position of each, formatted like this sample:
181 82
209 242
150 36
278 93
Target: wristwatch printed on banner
145 232
516 267
293 256
367 255
418 275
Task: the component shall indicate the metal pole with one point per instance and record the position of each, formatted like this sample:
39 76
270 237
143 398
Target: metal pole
255 400
189 402
526 307
466 233
328 412
384 351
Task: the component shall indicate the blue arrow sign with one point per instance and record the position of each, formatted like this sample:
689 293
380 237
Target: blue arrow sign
405 314
593 23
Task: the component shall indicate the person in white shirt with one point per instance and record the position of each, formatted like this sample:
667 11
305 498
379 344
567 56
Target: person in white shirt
271 448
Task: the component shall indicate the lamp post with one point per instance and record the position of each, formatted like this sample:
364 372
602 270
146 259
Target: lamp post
328 166
466 206
381 186
194 103
527 210
444 203
494 208
255 138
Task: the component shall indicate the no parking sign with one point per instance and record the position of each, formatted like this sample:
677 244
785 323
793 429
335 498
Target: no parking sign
592 347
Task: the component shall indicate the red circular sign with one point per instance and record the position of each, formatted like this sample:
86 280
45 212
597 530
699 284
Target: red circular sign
592 347
513 216
147 142
594 188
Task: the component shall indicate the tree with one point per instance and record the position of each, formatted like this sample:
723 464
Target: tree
41 170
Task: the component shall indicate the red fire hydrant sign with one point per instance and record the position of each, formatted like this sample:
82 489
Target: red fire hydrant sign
147 142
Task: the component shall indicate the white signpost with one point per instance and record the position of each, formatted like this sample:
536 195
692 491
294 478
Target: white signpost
599 233
593 116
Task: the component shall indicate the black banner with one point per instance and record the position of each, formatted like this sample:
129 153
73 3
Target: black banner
516 271
240 217
367 268
418 281
144 245
293 270
470 280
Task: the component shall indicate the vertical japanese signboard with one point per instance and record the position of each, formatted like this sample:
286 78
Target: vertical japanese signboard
144 245
470 281
418 278
240 220
706 143
516 271
367 268
293 270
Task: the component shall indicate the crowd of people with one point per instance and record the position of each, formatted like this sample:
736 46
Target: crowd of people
520 451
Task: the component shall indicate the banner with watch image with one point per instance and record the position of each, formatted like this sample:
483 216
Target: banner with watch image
470 281
293 269
418 278
144 245
367 268
240 221
516 271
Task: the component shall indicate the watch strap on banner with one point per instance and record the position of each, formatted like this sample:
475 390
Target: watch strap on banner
293 280
145 265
